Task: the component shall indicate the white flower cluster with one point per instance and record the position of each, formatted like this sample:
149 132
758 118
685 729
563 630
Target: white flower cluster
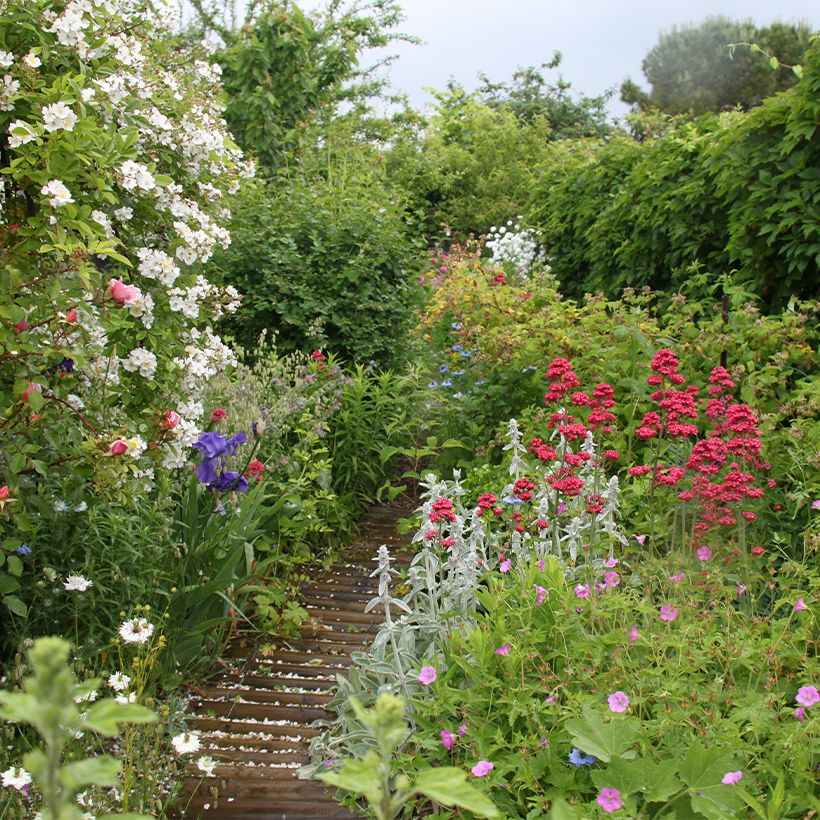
142 361
512 246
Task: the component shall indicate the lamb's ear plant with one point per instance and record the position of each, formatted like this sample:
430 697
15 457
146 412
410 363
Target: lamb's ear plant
386 794
49 702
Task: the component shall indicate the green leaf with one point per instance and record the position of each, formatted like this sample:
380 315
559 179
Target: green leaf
702 770
18 706
358 777
104 717
448 785
657 782
97 771
561 810
8 584
602 737
15 605
15 565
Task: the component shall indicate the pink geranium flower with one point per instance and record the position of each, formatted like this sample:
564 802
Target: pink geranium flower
732 778
669 613
540 564
504 650
448 739
612 579
610 800
618 701
634 634
482 768
704 553
462 730
678 576
540 593
799 605
582 591
611 563
427 675
505 565
807 695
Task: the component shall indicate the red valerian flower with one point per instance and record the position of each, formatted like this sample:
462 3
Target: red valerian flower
218 415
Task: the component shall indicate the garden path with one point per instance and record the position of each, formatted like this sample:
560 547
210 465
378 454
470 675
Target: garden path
255 718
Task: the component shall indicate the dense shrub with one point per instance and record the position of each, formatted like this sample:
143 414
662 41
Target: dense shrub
735 191
324 257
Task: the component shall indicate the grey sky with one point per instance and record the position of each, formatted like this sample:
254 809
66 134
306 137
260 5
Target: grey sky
601 42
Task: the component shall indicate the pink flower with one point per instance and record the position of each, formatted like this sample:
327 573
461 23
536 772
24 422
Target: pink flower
669 613
741 590
731 778
170 419
610 563
612 579
427 675
122 293
505 565
610 800
634 634
540 593
641 539
704 553
800 713
462 730
448 739
618 701
504 650
582 591
679 576
807 695
119 447
483 767
540 564
799 605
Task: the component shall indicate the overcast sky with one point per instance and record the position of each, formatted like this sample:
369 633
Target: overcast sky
602 42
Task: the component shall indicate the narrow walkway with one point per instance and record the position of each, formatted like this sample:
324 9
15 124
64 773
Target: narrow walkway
255 718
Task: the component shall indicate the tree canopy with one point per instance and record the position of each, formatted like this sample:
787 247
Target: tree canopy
692 69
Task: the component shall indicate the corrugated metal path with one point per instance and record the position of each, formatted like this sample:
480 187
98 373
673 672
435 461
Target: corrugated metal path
255 718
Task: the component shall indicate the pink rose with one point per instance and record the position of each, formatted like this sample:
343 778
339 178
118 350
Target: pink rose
122 293
119 447
170 419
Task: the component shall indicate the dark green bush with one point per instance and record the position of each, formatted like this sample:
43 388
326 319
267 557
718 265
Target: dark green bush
734 192
323 257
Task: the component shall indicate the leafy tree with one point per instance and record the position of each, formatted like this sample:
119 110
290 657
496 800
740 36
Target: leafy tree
530 95
285 70
692 69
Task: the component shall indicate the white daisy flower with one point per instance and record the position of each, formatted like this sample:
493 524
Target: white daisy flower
207 765
77 583
118 681
137 630
186 742
16 778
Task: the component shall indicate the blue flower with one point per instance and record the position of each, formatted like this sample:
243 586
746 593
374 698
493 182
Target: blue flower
447 383
459 372
578 758
457 326
511 499
211 470
466 353
456 348
24 550
480 382
229 480
432 384
444 368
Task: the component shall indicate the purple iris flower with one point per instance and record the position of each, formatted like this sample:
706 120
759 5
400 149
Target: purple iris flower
211 470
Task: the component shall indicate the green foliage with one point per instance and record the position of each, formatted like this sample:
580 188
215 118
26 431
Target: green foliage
324 258
712 693
387 795
735 192
286 71
530 96
48 703
471 167
693 68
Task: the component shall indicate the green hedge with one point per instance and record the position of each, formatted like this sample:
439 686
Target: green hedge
737 191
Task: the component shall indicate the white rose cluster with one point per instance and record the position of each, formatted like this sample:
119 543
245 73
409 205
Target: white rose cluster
163 210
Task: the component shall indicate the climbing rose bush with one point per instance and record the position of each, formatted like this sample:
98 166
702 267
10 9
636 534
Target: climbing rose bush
117 167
